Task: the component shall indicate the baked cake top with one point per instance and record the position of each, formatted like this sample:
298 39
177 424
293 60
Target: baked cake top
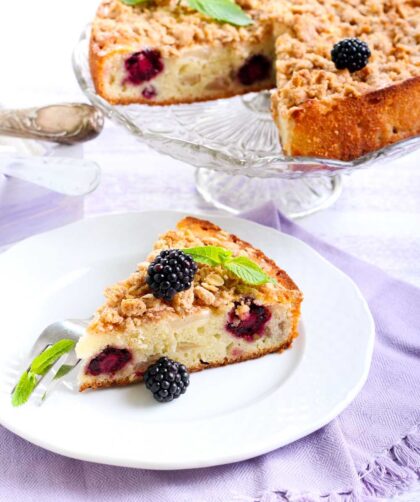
171 25
305 70
131 303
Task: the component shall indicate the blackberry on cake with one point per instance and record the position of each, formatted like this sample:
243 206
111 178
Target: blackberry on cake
170 272
350 53
323 111
219 319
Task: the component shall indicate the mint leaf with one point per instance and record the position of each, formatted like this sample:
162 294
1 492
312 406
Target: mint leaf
209 255
42 363
248 271
241 266
24 388
133 2
222 10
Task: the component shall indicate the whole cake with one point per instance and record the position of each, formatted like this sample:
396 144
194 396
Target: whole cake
165 52
199 313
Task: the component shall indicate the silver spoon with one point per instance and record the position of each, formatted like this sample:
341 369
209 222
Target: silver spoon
63 175
66 123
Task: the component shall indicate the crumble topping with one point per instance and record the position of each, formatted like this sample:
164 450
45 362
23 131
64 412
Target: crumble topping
171 25
306 30
130 303
391 28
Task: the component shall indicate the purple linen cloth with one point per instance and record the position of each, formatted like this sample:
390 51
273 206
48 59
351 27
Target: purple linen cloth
372 450
27 209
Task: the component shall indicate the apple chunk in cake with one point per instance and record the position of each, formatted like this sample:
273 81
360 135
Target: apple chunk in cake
219 320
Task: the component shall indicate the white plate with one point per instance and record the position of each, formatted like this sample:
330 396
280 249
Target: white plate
228 414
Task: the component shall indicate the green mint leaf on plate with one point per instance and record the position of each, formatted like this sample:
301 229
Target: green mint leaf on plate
248 271
24 388
134 2
222 10
209 255
42 363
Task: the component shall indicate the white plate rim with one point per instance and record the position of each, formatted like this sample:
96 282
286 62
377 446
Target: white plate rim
263 447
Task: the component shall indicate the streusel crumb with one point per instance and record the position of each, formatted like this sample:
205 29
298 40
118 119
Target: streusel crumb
130 303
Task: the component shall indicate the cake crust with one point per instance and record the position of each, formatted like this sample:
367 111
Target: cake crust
203 227
352 127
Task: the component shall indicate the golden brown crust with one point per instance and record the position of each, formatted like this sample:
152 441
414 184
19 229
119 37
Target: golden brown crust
351 127
105 383
198 226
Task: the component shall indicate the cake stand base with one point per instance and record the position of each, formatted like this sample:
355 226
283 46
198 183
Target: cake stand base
295 198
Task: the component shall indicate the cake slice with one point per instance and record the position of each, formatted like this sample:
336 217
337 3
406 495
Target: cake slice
219 319
164 52
322 111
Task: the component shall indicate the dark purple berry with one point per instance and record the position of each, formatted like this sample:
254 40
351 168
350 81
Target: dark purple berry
350 53
149 92
143 66
171 272
110 360
255 69
253 324
166 379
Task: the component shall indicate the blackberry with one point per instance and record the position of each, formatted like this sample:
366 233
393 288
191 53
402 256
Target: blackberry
166 379
169 273
255 69
110 360
253 323
350 53
144 66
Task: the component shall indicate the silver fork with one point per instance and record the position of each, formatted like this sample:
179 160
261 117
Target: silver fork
71 329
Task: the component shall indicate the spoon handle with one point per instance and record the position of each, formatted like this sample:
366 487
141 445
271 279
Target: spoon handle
66 123
63 175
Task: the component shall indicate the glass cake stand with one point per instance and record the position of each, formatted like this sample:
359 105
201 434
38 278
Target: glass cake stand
234 145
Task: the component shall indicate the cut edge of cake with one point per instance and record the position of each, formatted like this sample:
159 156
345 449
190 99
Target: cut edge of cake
199 60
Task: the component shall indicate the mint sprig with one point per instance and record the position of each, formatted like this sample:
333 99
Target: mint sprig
240 266
226 11
39 367
24 388
209 255
42 363
222 10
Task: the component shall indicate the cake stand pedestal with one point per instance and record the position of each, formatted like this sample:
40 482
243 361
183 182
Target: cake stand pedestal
293 197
